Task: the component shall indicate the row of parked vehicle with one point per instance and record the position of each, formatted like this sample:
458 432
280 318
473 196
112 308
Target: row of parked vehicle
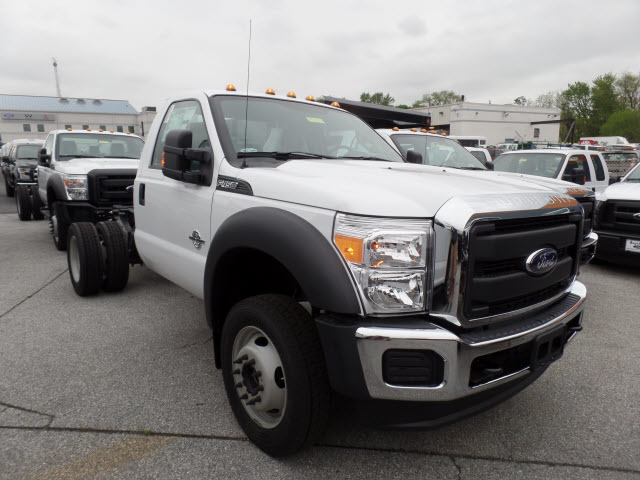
388 266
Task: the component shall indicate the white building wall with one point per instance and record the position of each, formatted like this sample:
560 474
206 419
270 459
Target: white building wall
499 123
14 129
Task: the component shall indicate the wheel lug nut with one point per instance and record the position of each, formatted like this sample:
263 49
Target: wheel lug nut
236 371
241 359
244 396
239 385
254 400
251 362
260 388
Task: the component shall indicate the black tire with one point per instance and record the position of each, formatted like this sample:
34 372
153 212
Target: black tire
116 262
9 189
23 203
59 226
292 333
84 258
36 203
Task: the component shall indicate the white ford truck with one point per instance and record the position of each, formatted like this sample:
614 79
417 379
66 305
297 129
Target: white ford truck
618 221
82 174
328 264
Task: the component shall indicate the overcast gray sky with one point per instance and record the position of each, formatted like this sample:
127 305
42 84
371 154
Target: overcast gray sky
143 51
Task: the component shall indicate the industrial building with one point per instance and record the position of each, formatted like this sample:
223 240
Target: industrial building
26 116
499 123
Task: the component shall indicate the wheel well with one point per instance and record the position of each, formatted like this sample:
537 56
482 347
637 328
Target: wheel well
242 273
51 197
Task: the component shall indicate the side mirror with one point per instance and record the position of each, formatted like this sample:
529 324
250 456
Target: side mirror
44 159
414 157
489 165
178 158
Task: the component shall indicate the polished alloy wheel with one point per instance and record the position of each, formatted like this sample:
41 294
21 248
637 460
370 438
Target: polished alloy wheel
259 377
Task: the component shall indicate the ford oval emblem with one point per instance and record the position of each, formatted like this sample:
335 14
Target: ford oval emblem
542 261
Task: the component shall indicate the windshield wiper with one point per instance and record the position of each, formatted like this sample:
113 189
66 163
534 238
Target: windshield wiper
367 157
120 156
470 168
281 155
79 156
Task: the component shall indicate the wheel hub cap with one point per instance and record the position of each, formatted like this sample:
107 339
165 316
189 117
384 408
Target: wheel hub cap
259 377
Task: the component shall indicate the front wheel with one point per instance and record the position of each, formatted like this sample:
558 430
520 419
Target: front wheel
23 203
84 258
8 188
59 226
36 203
274 373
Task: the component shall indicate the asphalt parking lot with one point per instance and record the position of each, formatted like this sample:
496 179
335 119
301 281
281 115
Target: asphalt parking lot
123 386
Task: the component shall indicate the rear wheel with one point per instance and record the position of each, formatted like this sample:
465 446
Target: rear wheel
36 203
9 189
84 258
23 203
59 226
116 265
274 373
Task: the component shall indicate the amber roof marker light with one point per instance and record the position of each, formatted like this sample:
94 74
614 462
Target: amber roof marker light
231 88
310 98
270 91
291 95
335 104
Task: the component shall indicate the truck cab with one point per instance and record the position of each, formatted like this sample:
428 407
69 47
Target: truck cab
83 174
327 264
586 168
22 178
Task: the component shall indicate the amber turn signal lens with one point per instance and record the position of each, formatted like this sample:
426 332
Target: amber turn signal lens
163 159
350 248
231 88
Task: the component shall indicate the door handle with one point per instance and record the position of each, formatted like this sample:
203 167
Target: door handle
141 191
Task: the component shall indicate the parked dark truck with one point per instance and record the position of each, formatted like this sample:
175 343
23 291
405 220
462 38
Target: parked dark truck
21 179
328 264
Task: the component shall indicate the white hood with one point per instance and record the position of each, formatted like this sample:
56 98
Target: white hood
621 191
372 187
81 166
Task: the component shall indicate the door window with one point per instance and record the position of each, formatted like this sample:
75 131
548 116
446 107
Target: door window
576 162
186 115
48 145
597 166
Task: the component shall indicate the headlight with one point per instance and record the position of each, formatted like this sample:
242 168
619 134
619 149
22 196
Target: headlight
24 173
76 186
389 259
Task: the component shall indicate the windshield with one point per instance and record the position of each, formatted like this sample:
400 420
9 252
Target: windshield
438 151
538 164
293 130
634 176
99 145
28 152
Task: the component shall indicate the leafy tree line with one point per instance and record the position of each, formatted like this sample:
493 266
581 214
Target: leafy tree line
609 105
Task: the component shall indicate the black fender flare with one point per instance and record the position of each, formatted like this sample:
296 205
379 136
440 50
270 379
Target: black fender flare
294 243
55 183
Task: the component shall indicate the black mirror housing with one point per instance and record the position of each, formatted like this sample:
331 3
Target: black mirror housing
178 157
44 159
414 157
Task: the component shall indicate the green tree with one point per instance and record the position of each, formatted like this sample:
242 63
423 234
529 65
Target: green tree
442 97
628 89
522 100
403 106
378 98
604 98
625 123
576 102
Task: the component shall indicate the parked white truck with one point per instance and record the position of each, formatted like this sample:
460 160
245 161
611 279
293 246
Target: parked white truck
328 264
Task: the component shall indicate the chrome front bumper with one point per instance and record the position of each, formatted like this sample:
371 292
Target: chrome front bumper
588 248
458 352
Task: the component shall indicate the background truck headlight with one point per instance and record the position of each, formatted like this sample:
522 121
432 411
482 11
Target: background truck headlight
390 260
24 173
76 186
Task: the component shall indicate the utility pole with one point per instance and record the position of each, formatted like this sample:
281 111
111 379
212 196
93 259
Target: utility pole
55 70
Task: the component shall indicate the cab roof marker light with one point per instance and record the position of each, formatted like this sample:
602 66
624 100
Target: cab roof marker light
310 98
68 129
270 91
414 129
100 130
424 130
231 88
88 129
395 129
335 104
111 131
291 95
